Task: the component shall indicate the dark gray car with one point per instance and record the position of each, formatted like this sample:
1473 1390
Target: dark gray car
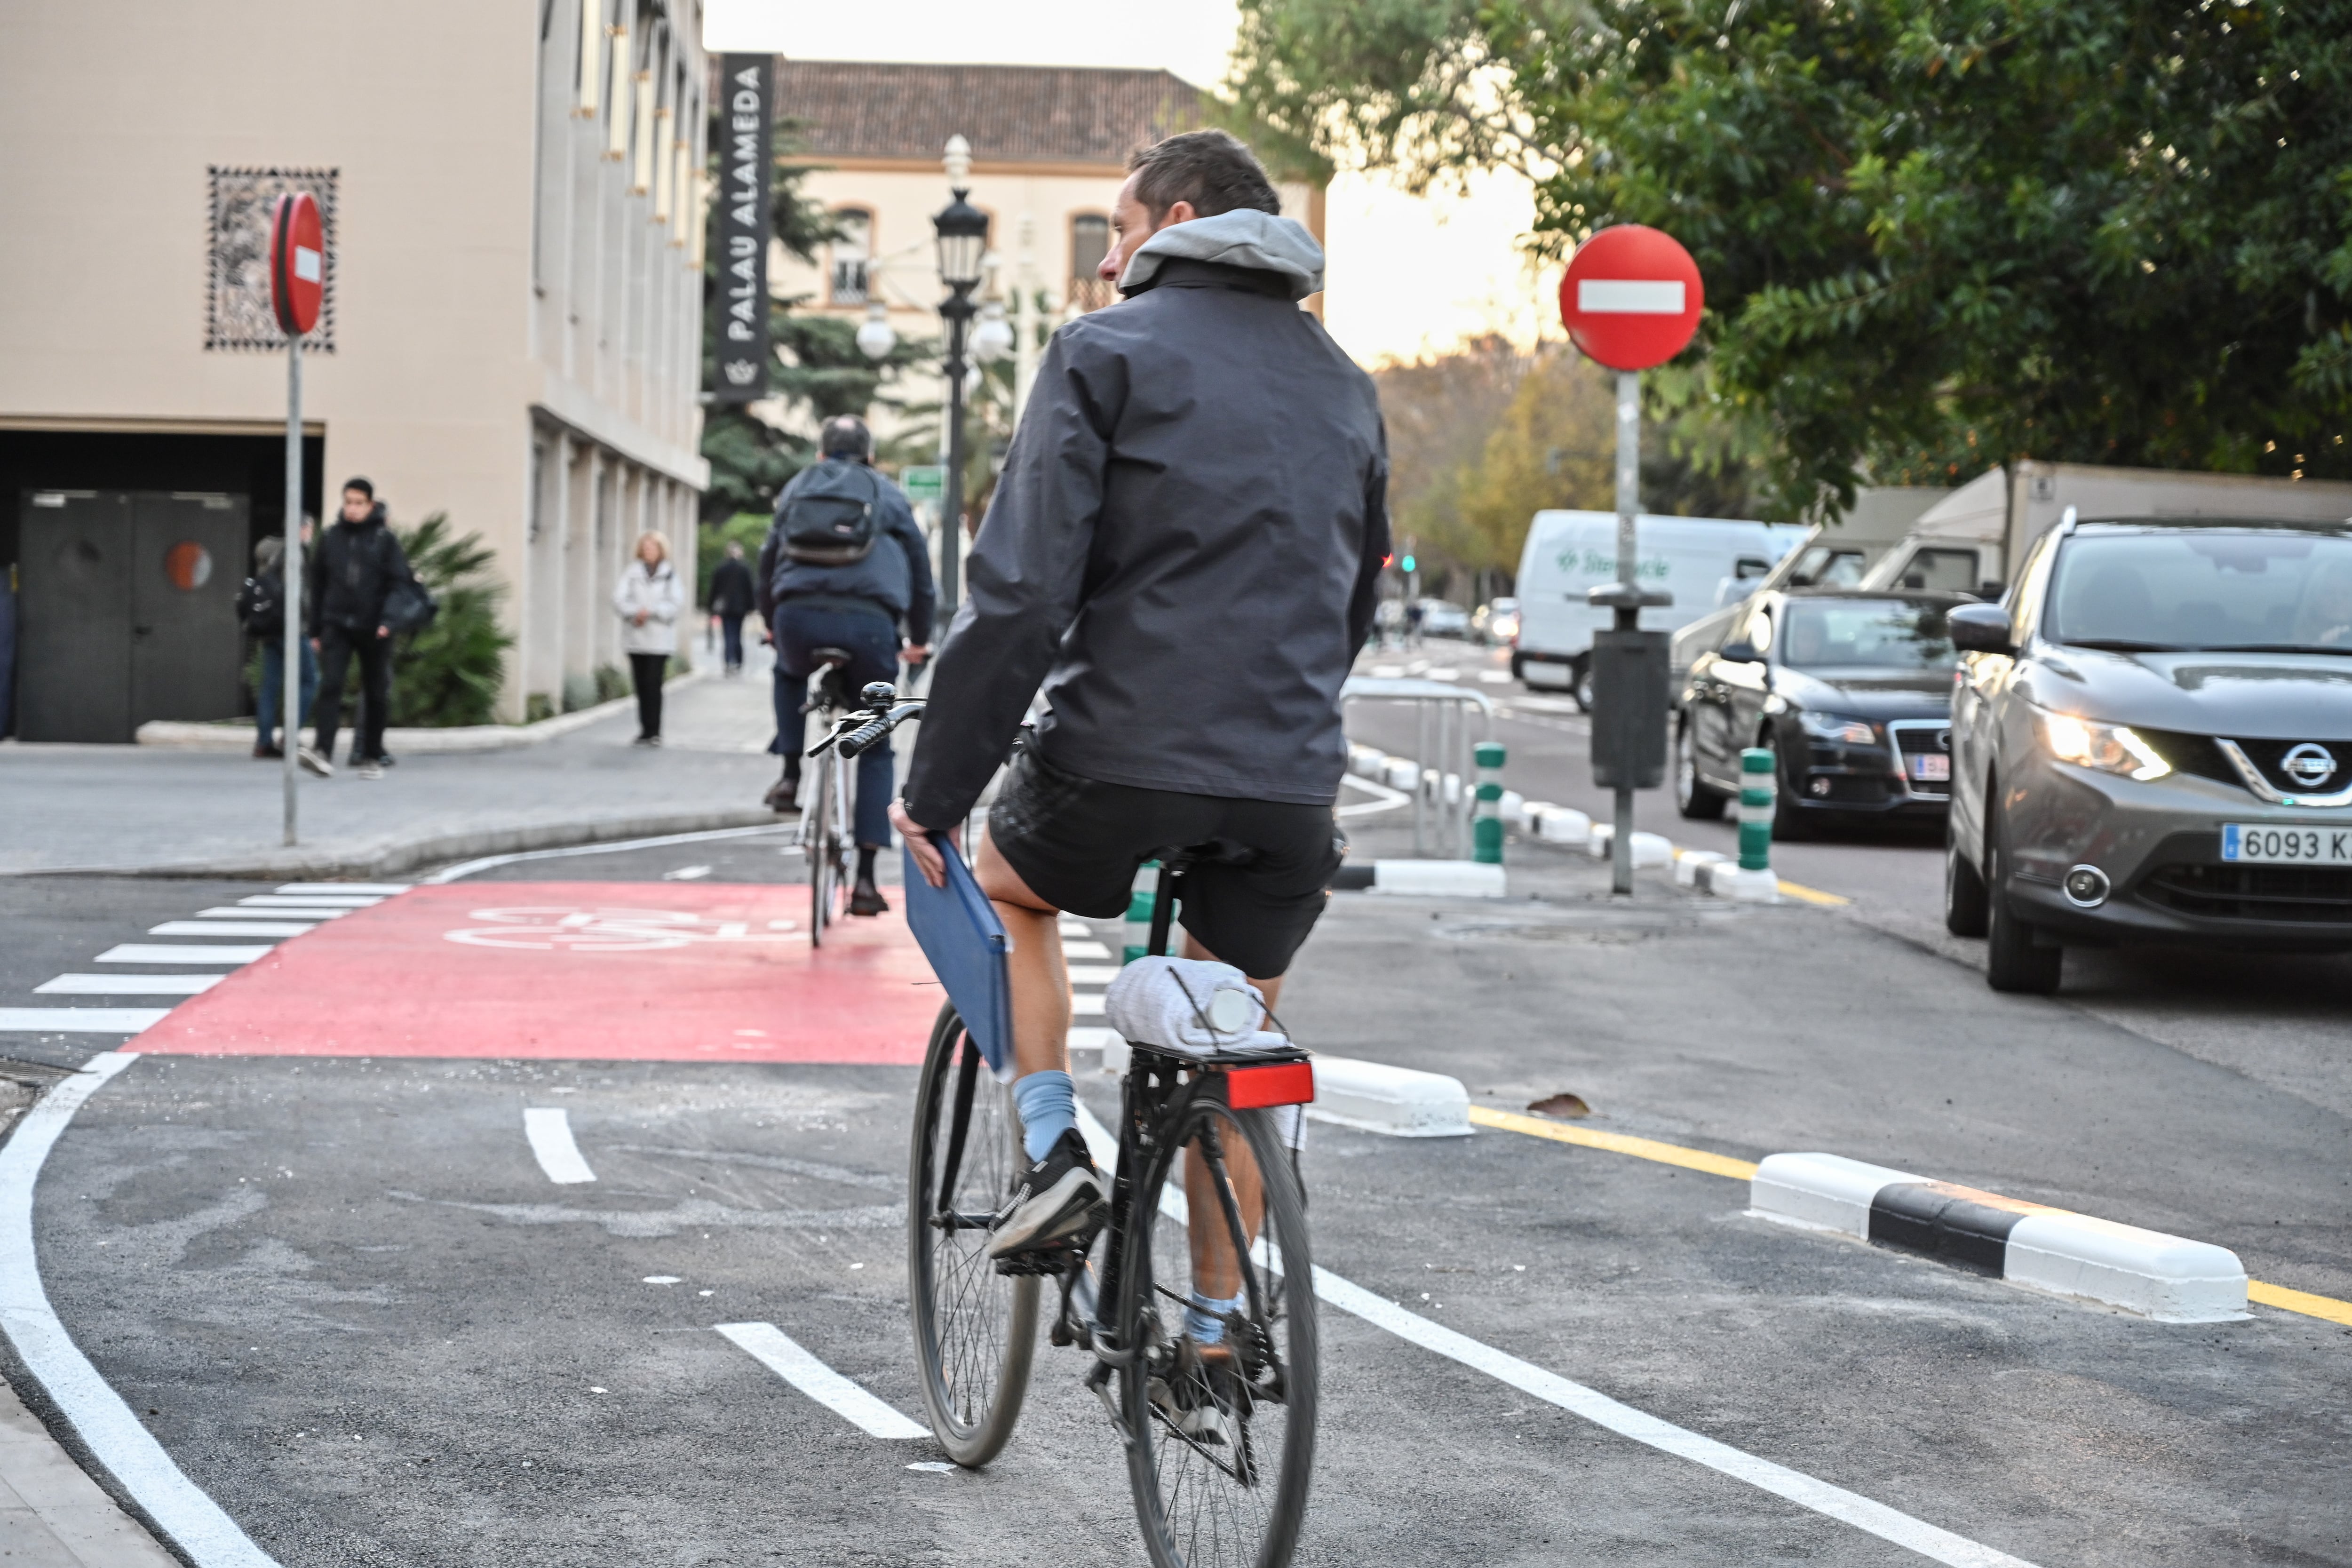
2152 741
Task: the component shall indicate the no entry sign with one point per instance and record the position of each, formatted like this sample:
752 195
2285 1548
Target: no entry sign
1631 297
297 263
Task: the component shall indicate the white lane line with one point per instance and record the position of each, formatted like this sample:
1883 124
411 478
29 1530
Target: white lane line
311 901
1794 1485
79 1020
777 1351
231 912
1073 926
1084 949
381 889
549 1133
127 984
191 1520
229 928
1383 798
1093 973
180 953
467 867
1086 1005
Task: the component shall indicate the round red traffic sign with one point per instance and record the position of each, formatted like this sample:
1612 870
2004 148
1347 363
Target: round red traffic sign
1631 297
297 263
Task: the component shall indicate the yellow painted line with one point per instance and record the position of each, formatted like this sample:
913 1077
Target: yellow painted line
1803 894
2287 1301
1616 1144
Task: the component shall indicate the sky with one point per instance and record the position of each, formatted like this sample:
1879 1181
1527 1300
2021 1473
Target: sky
1406 276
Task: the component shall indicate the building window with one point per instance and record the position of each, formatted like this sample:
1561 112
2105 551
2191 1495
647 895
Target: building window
853 253
1089 243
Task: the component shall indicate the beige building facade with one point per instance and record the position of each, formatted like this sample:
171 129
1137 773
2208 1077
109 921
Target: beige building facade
512 335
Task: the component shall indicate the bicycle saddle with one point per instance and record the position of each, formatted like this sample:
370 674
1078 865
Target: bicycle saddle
829 657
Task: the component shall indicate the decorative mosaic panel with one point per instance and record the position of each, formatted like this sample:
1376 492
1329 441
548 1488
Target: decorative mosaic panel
236 299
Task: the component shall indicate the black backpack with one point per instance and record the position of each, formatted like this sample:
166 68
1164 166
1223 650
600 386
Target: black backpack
831 520
261 605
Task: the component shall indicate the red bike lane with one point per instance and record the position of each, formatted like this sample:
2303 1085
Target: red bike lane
577 970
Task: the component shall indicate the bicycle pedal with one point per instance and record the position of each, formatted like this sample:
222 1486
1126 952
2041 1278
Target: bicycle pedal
1044 1261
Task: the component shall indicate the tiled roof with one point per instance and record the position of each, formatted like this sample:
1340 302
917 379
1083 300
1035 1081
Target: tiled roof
1017 114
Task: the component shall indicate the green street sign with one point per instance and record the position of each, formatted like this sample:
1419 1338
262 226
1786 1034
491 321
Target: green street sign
925 483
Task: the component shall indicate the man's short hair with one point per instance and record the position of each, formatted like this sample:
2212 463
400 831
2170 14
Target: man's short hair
361 485
846 436
1210 169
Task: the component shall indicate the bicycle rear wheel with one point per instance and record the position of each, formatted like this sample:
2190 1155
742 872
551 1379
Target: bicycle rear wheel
975 1329
1225 1434
821 847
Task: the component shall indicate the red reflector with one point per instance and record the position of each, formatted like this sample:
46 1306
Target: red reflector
1284 1083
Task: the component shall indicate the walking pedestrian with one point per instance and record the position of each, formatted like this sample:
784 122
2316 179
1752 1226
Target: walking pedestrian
356 565
648 598
842 565
261 609
732 596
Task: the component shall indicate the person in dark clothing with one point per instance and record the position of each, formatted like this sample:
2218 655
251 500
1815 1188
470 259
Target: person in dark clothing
268 625
356 565
856 607
1184 547
732 596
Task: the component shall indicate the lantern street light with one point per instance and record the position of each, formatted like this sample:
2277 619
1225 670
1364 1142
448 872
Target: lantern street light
992 339
875 338
962 232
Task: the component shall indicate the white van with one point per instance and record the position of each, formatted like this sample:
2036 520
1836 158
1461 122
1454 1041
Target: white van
1701 561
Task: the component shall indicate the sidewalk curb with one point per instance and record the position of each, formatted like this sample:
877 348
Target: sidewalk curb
2166 1277
391 858
1398 1102
239 737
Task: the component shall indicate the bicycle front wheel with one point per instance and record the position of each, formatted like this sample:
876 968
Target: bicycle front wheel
975 1329
1224 1419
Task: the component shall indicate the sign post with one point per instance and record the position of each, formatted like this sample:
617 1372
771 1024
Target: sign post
298 279
746 168
1631 301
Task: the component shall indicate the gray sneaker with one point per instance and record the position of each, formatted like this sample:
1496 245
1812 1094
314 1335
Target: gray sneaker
1058 1200
312 762
371 769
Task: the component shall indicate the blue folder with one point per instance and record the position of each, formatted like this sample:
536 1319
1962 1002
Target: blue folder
960 933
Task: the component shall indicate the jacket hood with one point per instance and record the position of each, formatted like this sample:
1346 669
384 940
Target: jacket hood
375 518
1247 237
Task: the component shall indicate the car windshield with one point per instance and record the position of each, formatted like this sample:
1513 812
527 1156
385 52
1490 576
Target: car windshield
2208 590
1865 634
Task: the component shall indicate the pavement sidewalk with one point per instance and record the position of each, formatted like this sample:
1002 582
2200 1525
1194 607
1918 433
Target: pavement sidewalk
54 1516
146 810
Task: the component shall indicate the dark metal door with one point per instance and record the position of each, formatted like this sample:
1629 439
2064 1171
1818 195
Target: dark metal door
73 656
187 562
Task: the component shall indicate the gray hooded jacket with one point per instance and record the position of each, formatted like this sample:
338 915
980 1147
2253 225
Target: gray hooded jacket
1184 544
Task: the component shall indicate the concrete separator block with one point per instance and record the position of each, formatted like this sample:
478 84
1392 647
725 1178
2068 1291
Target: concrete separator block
1367 762
1514 807
1400 773
1564 824
2157 1276
1397 1101
1726 881
1438 879
1827 1192
1689 863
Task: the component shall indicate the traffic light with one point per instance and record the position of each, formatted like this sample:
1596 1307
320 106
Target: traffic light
1408 562
1388 561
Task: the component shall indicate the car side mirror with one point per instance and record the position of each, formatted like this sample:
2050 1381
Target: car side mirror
1980 628
1742 652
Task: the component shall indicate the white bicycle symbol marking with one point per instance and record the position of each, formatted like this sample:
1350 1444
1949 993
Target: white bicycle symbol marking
557 929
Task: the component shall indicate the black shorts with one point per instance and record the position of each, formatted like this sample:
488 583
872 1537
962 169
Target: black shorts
1258 880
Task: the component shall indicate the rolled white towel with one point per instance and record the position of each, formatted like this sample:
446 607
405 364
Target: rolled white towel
1187 1005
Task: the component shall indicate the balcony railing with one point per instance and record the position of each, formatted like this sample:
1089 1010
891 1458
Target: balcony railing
1092 293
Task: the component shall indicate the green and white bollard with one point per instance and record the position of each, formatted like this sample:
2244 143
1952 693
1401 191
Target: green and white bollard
1486 825
1754 881
1140 904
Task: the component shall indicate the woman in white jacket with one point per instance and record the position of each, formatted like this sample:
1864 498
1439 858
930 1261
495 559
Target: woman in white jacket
649 599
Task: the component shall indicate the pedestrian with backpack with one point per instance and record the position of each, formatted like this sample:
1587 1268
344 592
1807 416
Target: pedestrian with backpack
844 567
261 610
648 598
353 572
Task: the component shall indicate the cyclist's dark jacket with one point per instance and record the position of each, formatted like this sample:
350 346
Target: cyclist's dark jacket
1185 543
895 573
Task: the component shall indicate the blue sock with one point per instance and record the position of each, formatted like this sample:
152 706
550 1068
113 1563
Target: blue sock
1049 1108
1204 1318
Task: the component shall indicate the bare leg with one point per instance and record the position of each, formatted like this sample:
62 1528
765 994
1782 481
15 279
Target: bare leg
1040 980
1215 1270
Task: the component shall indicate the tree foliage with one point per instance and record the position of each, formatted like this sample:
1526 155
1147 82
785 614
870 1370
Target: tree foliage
1934 233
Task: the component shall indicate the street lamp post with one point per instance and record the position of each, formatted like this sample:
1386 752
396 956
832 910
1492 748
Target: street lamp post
962 232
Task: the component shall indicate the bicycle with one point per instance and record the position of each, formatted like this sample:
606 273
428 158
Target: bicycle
824 834
1220 1440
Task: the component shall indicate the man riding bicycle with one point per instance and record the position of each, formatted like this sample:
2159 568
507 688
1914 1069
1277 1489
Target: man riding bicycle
1184 548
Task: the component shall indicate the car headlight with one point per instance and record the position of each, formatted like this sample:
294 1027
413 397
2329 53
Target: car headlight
1836 727
2110 748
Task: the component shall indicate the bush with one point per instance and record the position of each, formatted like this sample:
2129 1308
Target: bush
449 673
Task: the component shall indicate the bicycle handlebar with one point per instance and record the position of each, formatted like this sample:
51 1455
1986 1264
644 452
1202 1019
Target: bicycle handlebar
868 735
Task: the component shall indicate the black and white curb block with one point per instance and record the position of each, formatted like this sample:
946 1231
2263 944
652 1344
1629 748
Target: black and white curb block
1423 878
2161 1277
1398 1102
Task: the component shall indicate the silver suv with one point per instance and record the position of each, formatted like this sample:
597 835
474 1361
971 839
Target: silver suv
2152 741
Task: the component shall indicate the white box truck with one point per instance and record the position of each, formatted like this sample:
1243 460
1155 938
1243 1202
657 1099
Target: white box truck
1969 540
1701 561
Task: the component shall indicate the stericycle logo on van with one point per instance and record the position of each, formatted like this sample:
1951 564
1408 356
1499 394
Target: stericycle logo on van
1592 563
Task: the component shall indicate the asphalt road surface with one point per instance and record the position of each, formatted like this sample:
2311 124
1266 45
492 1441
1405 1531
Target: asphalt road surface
308 1237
